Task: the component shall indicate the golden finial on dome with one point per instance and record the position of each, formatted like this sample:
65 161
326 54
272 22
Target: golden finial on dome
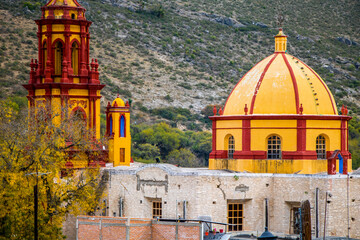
280 41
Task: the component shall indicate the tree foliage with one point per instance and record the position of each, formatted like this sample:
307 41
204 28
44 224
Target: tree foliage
354 141
151 141
34 151
183 157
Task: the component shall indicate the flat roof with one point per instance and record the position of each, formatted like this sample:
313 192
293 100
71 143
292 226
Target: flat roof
173 170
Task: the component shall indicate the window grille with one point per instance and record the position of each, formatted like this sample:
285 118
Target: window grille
231 147
274 148
157 209
235 216
321 147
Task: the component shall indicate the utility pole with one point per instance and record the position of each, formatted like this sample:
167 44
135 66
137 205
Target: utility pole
325 215
36 237
347 204
36 200
326 203
266 214
317 212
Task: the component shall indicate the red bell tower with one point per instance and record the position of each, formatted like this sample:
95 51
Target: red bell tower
62 75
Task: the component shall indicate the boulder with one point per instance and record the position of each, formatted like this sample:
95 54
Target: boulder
299 37
346 41
223 20
262 25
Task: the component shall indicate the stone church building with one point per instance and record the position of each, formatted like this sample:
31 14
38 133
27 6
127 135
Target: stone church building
167 191
278 141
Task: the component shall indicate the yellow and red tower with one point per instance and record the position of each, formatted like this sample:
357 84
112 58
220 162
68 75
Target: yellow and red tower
118 131
62 76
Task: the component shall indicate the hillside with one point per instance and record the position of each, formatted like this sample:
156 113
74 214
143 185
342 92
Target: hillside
189 54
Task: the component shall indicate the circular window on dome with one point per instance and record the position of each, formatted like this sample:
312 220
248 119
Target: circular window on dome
274 147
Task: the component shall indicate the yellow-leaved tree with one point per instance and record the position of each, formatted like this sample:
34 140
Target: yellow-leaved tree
34 150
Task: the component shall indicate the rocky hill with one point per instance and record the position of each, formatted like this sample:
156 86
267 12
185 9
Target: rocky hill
173 58
190 54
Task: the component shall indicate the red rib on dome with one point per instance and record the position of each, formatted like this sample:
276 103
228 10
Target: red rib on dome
240 81
322 82
259 83
293 78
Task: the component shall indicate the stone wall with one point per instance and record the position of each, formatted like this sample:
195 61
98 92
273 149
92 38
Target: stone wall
207 193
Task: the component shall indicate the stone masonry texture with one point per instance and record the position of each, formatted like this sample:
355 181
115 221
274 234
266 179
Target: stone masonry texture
206 192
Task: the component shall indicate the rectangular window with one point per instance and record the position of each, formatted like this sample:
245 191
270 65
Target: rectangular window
231 147
157 209
320 147
274 148
235 216
122 154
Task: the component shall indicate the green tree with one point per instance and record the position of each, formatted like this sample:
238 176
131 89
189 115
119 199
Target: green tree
201 146
354 141
146 151
167 140
183 157
34 151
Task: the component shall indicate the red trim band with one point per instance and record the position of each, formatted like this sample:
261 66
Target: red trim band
282 117
277 128
261 155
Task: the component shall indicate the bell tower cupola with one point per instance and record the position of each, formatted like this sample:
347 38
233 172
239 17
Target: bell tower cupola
63 74
118 132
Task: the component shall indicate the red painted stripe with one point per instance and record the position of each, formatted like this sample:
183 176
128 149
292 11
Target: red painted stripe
343 136
246 135
323 83
213 153
293 128
301 135
282 117
296 90
240 81
259 83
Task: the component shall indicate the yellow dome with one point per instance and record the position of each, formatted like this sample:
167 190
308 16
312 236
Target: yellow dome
71 3
119 102
280 84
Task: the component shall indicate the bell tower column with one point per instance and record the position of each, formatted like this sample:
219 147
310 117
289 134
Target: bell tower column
83 69
48 70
